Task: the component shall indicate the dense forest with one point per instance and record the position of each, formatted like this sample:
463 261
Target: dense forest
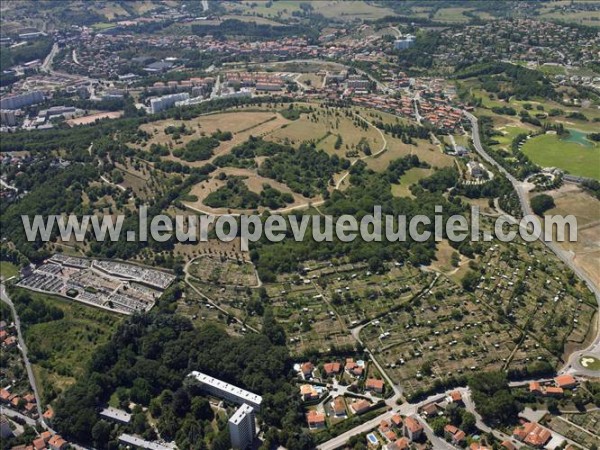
147 362
36 49
367 189
509 80
234 27
236 195
307 171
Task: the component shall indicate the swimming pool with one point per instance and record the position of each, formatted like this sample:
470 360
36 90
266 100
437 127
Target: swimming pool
372 439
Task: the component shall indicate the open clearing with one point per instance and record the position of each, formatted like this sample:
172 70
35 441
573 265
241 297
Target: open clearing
570 199
549 151
8 270
283 9
253 181
411 177
86 120
324 129
71 341
396 149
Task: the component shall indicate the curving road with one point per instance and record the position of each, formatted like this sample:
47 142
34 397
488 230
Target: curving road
572 364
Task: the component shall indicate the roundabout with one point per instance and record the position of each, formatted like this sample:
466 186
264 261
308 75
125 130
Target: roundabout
589 362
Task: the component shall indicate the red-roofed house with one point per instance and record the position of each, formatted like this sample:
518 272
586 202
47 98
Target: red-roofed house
49 414
339 406
453 434
430 409
332 368
56 442
384 426
566 381
360 406
315 419
4 395
390 436
396 420
554 391
478 446
39 444
402 444
535 388
46 435
374 385
307 369
412 428
455 397
308 392
533 434
357 371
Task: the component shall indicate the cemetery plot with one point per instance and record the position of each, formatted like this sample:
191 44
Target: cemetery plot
120 287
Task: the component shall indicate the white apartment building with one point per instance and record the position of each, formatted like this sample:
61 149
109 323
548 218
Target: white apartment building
18 101
227 391
161 103
242 427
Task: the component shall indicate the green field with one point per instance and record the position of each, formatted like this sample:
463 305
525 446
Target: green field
411 177
549 151
103 26
511 132
60 349
591 362
8 270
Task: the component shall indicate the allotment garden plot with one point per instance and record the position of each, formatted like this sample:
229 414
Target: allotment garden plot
359 295
441 332
310 321
223 271
520 312
581 428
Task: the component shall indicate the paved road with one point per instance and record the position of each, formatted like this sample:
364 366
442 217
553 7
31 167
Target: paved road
406 409
47 64
17 415
411 409
23 347
470 406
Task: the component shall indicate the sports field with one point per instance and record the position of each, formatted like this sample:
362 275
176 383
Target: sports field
550 151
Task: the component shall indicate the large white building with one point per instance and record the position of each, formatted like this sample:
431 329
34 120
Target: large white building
227 391
403 44
242 427
18 101
165 102
8 117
